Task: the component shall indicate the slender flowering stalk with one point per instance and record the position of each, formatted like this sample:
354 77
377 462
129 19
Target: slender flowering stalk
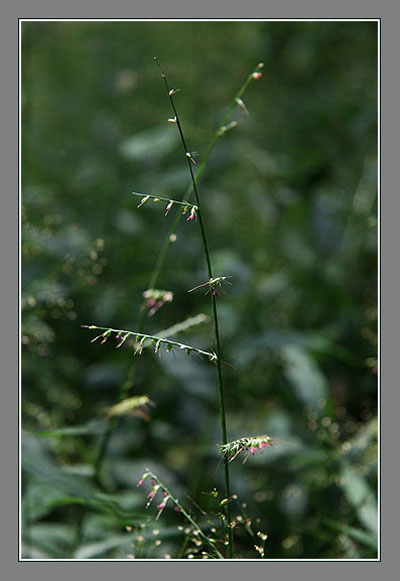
186 205
158 485
189 158
155 299
144 340
212 284
223 128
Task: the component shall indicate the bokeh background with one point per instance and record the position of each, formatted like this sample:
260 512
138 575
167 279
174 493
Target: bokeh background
290 204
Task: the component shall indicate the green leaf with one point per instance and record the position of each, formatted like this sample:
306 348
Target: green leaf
364 537
101 548
41 498
149 144
52 539
92 428
304 374
37 462
360 496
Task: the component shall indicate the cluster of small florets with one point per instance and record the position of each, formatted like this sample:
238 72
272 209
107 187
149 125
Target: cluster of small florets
257 74
155 299
155 487
170 203
136 405
212 284
193 213
246 445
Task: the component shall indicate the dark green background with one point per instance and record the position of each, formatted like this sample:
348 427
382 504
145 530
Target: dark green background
289 202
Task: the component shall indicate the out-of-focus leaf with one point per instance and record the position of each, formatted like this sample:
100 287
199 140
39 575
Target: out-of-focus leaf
34 328
101 548
52 539
149 144
184 325
195 374
37 463
93 427
294 500
360 496
132 405
41 498
304 374
364 441
86 470
101 375
364 537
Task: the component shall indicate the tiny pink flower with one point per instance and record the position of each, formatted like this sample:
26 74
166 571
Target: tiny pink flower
252 450
151 495
161 507
257 76
140 483
192 214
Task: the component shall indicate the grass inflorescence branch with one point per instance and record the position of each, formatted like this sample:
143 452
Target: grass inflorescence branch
157 486
247 446
186 205
146 340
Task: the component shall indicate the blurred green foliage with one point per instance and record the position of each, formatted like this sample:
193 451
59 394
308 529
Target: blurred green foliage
290 202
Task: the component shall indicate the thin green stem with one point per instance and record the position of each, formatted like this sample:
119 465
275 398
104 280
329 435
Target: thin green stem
214 307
